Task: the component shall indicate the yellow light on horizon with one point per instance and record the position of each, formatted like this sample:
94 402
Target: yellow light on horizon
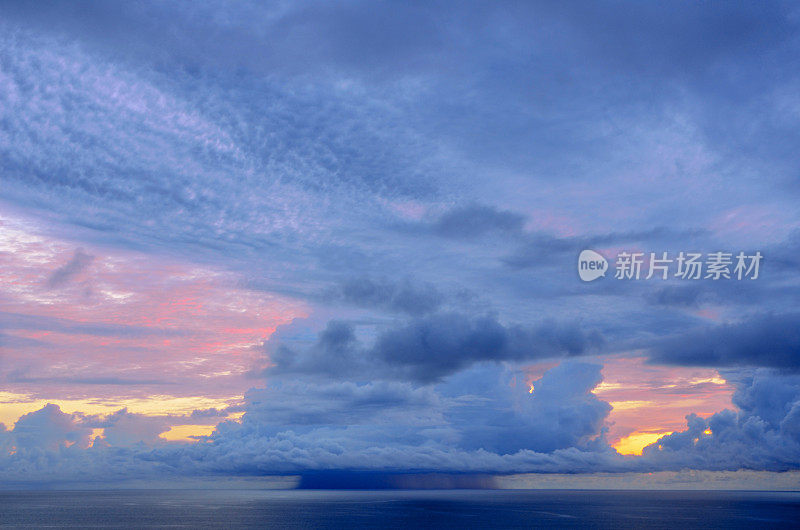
184 433
634 443
13 406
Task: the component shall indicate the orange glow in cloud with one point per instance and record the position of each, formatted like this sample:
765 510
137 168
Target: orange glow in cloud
652 401
185 433
535 372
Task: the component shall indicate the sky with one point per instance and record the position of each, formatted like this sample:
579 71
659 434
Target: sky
315 240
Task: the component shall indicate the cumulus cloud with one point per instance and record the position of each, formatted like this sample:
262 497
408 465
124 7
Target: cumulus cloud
123 429
308 427
49 428
212 413
430 348
558 413
305 425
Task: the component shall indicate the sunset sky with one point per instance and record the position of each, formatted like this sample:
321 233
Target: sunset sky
246 239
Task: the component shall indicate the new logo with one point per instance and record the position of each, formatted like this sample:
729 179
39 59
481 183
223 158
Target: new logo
591 265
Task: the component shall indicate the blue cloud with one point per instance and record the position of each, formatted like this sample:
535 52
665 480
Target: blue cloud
429 348
762 340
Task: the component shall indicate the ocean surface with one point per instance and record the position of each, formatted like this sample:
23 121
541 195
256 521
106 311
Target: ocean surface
398 509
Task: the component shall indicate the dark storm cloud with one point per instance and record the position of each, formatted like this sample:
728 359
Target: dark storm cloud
769 340
336 352
430 348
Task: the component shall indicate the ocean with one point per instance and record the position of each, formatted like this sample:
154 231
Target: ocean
398 509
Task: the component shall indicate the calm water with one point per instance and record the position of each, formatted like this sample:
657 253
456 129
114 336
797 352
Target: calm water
398 509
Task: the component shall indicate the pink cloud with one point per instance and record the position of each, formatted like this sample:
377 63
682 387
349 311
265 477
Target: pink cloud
170 327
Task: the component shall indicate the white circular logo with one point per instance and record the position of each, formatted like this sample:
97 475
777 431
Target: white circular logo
591 265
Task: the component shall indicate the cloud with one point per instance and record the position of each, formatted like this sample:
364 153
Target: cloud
15 377
560 412
475 220
307 426
768 340
404 296
211 413
336 352
299 425
17 321
545 249
50 429
77 264
431 348
427 349
123 429
678 296
298 405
